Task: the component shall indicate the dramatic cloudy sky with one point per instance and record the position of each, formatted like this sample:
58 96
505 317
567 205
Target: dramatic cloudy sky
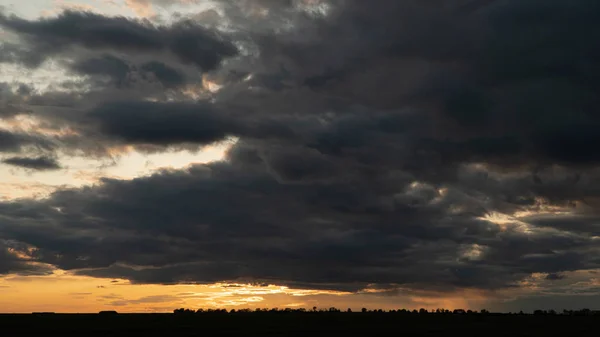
295 153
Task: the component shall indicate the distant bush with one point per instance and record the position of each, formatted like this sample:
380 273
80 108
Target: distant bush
334 310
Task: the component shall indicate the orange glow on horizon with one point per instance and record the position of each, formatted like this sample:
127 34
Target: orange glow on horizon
64 292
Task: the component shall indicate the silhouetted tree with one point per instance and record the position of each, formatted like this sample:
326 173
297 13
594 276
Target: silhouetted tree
182 311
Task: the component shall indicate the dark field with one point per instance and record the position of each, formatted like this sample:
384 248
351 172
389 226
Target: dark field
298 324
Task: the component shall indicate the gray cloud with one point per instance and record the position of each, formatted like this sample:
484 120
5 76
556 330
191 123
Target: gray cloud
177 122
11 262
191 43
146 300
228 221
162 123
10 100
15 142
121 73
9 141
166 75
15 53
373 143
107 65
38 163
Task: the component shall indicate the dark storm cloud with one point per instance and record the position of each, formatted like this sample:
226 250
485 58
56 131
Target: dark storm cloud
114 68
457 71
10 262
15 142
13 53
191 43
374 142
554 277
38 163
11 99
586 223
161 123
168 76
122 73
228 221
9 141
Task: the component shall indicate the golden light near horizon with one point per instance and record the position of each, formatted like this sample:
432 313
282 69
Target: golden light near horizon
64 292
164 154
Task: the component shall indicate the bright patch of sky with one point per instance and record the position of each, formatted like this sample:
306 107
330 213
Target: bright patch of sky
80 171
48 76
31 9
64 292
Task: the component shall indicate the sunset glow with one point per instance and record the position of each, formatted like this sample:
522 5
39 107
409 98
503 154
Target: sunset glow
167 154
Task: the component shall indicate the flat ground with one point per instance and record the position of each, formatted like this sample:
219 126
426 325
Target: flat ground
297 324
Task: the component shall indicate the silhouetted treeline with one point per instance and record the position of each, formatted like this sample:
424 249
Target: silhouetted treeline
326 322
422 311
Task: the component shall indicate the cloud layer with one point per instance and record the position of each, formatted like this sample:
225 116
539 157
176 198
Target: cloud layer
411 144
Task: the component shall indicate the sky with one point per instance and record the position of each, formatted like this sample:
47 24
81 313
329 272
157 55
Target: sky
158 154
